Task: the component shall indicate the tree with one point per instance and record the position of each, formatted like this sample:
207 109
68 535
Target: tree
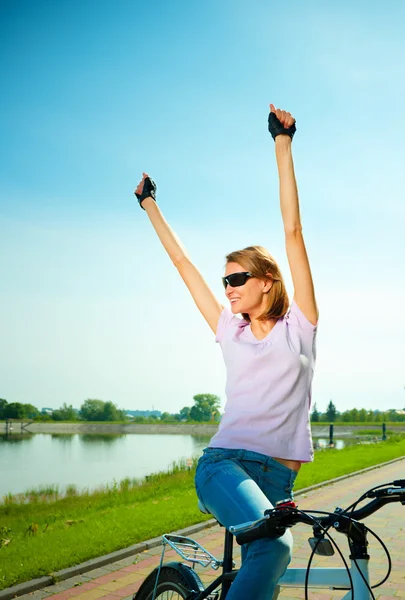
185 413
167 417
98 410
14 410
3 404
92 410
331 412
112 413
45 417
206 407
65 413
346 416
354 415
315 415
392 415
362 415
17 410
377 416
30 411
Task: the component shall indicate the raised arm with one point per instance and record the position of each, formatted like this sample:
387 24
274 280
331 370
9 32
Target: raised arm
205 300
282 128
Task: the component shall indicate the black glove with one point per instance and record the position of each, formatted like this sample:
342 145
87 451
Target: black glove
276 128
148 191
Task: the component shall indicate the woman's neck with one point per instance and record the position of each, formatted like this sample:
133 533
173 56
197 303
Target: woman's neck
261 328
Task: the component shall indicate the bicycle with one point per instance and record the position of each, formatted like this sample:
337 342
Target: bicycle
182 582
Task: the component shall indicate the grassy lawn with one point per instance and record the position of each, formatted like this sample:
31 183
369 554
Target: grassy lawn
375 432
359 424
44 535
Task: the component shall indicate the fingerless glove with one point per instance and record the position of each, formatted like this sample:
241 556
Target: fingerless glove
148 191
276 128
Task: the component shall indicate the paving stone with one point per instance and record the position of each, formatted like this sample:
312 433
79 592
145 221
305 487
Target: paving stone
59 587
92 594
67 584
124 562
99 572
111 596
37 595
129 589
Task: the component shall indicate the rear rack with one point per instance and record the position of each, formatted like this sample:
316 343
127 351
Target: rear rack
191 550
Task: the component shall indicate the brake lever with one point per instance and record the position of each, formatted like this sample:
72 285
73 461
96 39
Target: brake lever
248 525
396 491
390 491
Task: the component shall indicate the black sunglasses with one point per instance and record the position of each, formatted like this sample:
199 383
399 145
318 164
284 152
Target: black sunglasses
236 279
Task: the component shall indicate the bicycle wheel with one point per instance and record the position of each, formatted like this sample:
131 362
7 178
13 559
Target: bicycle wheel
175 583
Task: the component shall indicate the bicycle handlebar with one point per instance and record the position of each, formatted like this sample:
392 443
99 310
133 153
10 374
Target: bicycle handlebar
276 520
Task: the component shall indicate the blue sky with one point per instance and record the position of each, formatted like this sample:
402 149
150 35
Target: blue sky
94 93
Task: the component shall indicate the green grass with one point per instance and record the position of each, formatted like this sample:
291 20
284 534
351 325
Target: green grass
358 424
331 463
374 432
40 534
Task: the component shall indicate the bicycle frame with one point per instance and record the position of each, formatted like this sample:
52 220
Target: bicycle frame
331 579
319 577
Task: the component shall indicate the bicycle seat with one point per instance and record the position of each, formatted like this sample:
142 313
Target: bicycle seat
203 508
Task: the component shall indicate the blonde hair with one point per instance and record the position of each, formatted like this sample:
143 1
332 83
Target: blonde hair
258 261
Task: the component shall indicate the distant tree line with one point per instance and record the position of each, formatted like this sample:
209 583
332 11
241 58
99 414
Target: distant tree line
360 415
90 410
205 408
16 410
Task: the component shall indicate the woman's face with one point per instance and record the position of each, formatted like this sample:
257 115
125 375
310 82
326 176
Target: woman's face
248 298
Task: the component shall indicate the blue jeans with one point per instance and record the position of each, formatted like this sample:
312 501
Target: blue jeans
238 486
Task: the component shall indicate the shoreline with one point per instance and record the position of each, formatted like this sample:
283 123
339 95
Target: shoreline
26 427
113 428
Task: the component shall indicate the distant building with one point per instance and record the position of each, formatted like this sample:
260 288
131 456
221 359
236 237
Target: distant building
143 413
47 411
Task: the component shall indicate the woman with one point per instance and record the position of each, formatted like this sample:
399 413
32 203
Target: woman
264 435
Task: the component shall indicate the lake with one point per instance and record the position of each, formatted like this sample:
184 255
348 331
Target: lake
91 460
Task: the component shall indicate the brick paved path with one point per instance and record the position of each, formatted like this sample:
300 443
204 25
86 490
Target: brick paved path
120 580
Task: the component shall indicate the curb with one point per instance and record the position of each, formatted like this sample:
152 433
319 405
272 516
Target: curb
94 563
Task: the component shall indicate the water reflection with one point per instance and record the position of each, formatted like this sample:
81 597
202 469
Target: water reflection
199 443
15 438
337 444
105 438
64 438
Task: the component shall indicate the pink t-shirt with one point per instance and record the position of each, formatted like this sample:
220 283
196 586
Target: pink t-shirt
268 386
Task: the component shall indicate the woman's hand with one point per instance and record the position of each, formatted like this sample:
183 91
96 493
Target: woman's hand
146 189
281 122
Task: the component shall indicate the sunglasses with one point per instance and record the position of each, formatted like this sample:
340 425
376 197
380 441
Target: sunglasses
236 279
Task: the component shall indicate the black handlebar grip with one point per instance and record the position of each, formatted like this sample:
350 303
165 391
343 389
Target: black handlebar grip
266 529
